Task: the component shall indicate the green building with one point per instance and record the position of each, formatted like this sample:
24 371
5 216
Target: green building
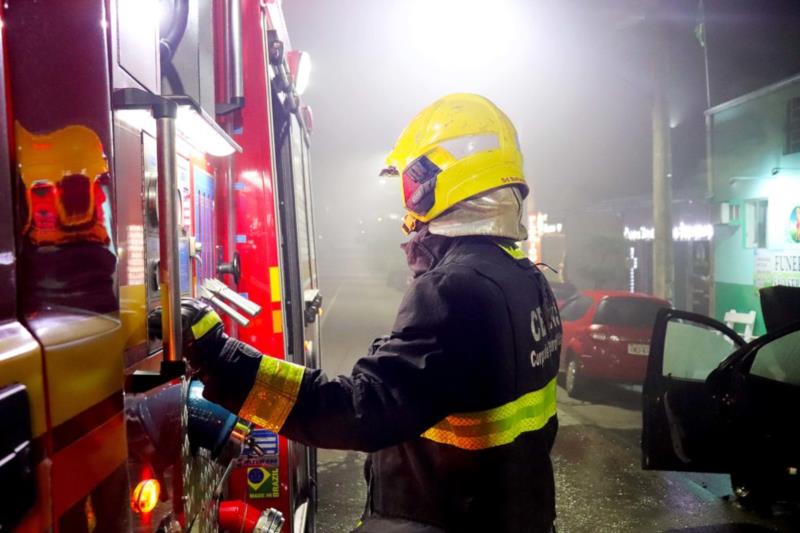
754 182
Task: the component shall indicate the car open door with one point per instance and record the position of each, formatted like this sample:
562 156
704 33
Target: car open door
680 427
759 400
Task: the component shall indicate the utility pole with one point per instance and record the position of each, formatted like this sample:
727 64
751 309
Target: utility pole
663 262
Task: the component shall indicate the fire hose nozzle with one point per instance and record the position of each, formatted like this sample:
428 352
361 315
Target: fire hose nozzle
271 521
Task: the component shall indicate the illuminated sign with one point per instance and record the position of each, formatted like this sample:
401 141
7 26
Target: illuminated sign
681 232
539 225
776 268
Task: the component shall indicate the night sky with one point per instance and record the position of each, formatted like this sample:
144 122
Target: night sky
575 77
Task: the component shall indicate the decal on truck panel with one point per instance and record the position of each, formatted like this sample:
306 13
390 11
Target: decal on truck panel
262 482
274 284
266 440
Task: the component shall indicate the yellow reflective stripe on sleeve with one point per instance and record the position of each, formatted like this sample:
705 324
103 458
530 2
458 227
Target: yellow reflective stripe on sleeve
513 251
204 325
498 426
274 393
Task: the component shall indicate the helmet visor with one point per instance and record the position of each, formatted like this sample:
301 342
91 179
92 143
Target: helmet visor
419 184
419 178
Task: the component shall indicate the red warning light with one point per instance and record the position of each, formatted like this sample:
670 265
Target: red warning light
144 497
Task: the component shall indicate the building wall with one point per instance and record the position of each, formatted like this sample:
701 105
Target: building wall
748 140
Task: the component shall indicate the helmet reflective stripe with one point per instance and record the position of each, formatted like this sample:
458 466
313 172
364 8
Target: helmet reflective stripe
461 147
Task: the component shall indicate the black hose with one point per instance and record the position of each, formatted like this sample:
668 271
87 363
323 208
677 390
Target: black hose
175 23
172 30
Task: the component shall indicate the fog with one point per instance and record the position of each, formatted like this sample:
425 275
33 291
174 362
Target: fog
576 78
573 77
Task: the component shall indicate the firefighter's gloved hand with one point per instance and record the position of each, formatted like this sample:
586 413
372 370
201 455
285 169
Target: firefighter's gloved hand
226 366
202 332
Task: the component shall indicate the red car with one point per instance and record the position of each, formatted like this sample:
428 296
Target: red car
607 337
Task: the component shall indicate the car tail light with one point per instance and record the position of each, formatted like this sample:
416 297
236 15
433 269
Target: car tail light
599 336
44 214
144 497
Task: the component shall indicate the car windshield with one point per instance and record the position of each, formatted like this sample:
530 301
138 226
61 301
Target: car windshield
575 308
631 312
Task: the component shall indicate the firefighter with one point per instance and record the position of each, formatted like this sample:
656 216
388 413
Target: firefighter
457 406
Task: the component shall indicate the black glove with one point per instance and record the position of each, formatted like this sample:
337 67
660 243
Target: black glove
203 334
226 366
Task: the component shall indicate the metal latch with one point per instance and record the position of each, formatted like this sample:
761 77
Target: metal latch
313 303
234 268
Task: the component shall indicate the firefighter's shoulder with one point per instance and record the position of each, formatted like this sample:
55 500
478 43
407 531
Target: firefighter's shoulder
451 289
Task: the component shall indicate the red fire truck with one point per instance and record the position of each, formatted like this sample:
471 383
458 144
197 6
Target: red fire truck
156 149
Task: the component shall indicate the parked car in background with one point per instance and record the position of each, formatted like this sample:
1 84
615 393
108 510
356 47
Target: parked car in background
606 337
713 403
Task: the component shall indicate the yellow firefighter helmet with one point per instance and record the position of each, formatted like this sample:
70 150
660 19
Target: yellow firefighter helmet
460 146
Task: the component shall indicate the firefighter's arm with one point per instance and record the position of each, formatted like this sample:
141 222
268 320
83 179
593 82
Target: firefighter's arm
430 367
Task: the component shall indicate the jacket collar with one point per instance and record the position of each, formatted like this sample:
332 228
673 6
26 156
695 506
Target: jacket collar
425 250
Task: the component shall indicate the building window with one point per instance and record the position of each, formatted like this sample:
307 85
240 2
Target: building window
755 223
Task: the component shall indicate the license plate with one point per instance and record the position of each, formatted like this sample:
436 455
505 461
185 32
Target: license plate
639 349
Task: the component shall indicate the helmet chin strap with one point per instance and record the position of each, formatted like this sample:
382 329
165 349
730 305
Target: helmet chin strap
410 224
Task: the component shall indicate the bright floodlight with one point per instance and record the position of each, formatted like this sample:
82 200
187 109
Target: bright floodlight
462 33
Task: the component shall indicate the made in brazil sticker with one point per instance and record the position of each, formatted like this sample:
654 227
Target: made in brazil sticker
262 482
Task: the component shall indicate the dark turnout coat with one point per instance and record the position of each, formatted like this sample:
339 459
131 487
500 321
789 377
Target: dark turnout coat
457 405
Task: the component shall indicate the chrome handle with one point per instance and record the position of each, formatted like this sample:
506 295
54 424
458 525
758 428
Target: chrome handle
224 292
225 308
169 264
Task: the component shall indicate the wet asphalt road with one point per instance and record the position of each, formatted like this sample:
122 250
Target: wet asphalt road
600 485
